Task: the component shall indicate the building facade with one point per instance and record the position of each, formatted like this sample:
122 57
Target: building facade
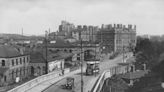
86 33
13 64
38 63
66 28
117 38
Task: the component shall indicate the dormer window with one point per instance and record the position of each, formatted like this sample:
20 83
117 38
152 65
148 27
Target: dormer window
3 62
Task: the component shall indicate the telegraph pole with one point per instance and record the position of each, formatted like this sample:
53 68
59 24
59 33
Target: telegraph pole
123 49
95 57
46 71
81 63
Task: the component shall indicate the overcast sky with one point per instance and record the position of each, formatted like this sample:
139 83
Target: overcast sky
35 16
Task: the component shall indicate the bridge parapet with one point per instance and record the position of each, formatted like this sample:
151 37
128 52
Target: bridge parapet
34 82
106 74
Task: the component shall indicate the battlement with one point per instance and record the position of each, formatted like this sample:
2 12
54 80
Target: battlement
118 26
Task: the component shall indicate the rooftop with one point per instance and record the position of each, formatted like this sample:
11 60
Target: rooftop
61 44
7 51
38 57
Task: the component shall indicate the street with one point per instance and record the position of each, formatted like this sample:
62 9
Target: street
88 80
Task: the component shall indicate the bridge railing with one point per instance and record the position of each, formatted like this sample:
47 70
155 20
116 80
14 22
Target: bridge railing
34 82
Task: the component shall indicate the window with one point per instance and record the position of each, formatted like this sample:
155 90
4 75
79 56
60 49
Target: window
12 62
70 51
3 62
12 74
5 78
24 60
65 50
20 60
16 61
27 59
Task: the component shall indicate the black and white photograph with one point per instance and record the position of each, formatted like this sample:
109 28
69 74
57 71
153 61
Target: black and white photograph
81 45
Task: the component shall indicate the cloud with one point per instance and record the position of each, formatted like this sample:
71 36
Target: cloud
35 16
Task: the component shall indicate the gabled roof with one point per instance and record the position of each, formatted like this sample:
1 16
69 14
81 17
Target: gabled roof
7 51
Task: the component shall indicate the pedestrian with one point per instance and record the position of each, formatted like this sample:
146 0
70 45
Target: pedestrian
62 71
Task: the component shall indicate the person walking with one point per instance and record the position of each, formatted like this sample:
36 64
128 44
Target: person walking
62 71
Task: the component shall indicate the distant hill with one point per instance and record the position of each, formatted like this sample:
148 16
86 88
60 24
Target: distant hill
19 37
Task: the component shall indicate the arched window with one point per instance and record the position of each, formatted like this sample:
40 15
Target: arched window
3 62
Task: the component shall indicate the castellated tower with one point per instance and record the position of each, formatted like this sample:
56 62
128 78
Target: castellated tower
118 37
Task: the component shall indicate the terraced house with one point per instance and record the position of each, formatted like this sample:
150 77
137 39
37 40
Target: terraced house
13 64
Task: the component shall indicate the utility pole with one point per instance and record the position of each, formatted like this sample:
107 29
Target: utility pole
22 37
46 71
81 63
123 49
95 57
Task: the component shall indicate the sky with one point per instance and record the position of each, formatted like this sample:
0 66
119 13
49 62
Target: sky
36 16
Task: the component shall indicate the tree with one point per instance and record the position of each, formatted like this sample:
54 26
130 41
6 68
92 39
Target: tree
114 83
145 53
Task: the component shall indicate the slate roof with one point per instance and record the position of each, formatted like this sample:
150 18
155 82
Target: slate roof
61 44
7 51
38 57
